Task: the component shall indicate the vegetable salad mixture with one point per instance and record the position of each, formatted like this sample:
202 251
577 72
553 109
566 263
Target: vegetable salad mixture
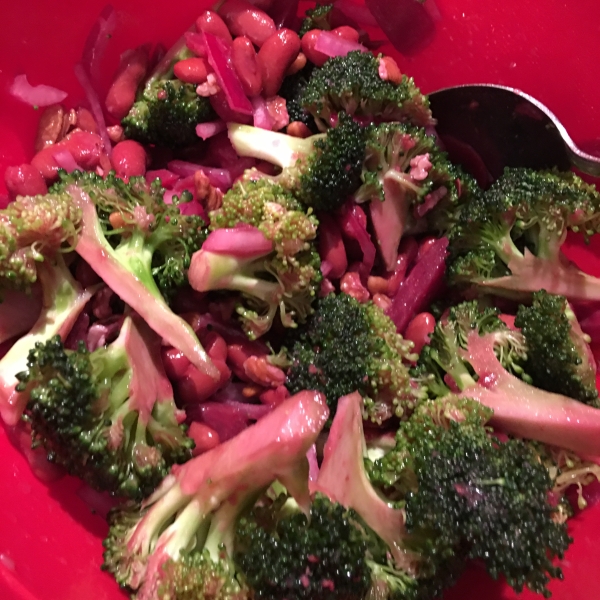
247 294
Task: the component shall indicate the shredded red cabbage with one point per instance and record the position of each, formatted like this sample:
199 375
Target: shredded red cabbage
353 223
356 12
35 95
167 178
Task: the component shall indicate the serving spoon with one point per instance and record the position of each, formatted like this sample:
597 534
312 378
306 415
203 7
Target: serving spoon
488 127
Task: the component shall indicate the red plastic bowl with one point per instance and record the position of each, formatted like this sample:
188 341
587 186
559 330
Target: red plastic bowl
50 542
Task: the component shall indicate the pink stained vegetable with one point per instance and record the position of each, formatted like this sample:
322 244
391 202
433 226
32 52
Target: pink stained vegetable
313 463
241 242
218 57
220 178
331 247
97 40
64 159
35 95
262 117
420 286
353 223
210 128
95 106
333 45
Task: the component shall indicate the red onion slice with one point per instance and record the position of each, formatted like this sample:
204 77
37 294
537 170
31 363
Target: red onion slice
35 95
333 45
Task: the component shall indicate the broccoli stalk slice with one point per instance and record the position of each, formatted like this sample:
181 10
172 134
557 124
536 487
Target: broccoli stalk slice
202 499
63 300
343 479
277 148
526 411
127 271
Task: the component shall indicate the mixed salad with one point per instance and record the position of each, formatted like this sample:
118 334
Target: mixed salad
247 294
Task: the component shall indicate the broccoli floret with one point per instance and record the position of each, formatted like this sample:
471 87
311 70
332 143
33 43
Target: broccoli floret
262 245
291 91
507 241
128 235
109 416
167 110
180 542
316 18
559 358
322 171
285 553
468 493
473 358
347 346
36 234
353 84
402 566
410 183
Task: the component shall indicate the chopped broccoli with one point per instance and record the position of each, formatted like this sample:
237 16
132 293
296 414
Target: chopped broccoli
352 84
470 494
316 18
507 241
409 181
109 416
285 553
35 235
291 91
167 110
179 543
262 245
559 358
322 171
474 356
129 234
347 346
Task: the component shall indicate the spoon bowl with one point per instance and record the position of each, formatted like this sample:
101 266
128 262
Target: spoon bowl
488 127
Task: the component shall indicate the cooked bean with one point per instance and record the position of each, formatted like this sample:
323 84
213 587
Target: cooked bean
309 40
50 126
129 159
298 129
210 22
275 58
24 180
347 33
243 18
192 70
245 63
419 329
131 72
298 64
205 437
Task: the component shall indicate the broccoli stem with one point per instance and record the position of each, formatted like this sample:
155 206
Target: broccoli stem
277 148
127 272
526 411
63 300
557 276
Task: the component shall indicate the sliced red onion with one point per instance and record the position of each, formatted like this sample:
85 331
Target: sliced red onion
97 40
420 286
210 128
167 178
241 242
262 117
357 12
195 42
353 223
64 159
220 178
219 60
35 95
333 45
95 106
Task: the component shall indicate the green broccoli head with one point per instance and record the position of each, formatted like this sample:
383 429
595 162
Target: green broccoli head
108 416
467 493
291 90
347 346
32 229
352 84
166 114
285 553
558 356
316 18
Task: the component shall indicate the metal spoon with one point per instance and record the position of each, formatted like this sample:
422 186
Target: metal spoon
487 127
